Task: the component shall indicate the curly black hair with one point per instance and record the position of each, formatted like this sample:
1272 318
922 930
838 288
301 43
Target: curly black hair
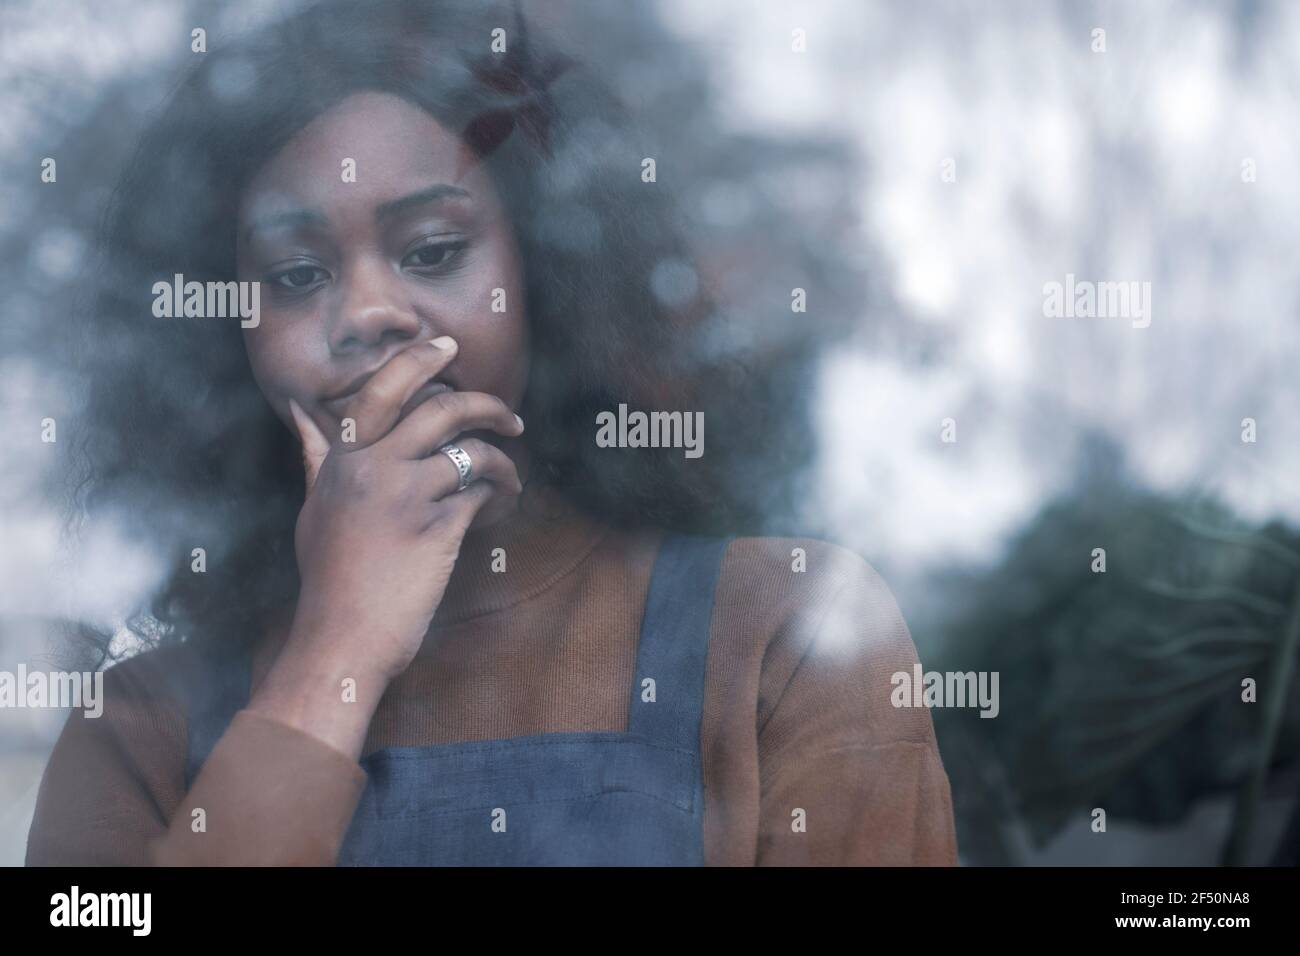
177 435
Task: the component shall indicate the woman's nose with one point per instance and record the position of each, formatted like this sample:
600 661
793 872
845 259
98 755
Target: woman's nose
371 310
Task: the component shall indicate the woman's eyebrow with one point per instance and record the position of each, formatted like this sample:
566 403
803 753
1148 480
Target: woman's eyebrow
439 192
284 220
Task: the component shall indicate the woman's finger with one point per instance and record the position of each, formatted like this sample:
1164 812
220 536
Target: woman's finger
378 405
487 463
464 505
439 419
315 446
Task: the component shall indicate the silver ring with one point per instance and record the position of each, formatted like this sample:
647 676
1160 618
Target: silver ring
464 466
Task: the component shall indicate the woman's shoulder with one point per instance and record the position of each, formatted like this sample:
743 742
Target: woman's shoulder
823 637
792 605
791 575
155 679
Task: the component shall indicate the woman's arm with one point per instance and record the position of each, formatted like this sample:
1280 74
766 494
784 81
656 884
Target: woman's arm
114 782
846 778
268 795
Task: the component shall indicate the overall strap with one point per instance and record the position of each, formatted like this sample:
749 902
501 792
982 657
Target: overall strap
218 689
674 641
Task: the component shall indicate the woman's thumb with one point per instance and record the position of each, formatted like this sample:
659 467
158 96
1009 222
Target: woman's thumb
315 446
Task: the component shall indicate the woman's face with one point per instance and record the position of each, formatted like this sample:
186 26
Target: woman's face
353 272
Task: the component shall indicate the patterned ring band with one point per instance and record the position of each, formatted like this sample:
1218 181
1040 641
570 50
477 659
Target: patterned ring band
460 458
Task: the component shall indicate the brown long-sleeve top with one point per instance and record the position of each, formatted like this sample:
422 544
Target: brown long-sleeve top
797 712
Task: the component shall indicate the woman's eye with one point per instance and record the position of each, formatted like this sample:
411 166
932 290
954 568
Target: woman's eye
298 278
433 255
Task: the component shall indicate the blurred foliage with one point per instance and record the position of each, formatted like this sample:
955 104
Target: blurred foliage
1123 690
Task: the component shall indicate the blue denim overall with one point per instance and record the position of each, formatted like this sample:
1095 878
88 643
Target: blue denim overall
594 798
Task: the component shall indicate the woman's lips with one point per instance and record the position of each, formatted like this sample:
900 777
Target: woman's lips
423 394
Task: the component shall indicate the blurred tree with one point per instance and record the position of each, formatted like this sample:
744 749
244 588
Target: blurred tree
1124 689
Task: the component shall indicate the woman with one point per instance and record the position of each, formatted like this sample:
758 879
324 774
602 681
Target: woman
432 620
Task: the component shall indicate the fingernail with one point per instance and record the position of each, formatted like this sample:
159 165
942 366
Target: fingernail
520 421
443 342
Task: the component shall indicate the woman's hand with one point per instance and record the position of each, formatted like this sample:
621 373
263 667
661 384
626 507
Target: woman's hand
379 533
382 524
